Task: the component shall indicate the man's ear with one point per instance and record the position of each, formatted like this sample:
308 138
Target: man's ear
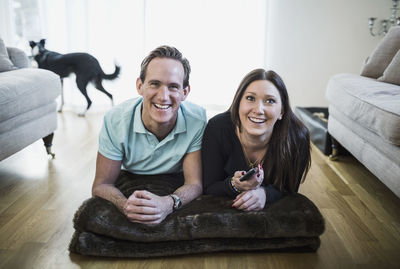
186 92
139 85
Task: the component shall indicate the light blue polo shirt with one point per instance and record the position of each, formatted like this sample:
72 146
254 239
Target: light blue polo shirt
124 137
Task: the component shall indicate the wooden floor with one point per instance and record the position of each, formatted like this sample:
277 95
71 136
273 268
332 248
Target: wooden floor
39 196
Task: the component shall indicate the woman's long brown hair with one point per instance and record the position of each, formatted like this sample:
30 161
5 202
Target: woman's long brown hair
288 158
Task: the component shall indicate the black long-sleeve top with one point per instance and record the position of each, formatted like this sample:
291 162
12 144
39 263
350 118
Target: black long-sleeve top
222 156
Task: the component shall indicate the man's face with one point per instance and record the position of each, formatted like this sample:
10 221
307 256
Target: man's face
162 93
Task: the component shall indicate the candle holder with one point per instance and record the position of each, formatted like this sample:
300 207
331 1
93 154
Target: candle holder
385 24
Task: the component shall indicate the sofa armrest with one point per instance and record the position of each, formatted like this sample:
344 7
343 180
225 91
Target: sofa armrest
18 57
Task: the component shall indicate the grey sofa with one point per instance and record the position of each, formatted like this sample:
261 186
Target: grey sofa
27 103
364 111
364 116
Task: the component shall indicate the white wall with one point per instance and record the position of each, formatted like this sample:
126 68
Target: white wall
308 41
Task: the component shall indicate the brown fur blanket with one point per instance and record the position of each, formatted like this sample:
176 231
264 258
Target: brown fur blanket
207 224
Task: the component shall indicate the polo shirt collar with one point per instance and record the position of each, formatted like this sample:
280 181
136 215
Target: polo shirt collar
138 126
180 126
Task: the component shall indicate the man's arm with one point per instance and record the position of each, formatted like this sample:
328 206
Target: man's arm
148 208
107 171
143 206
192 172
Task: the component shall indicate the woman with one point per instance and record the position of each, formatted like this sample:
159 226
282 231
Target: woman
259 130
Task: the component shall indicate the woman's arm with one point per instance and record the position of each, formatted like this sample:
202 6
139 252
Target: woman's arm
273 194
215 179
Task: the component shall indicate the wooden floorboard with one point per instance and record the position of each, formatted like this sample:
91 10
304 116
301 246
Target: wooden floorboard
39 196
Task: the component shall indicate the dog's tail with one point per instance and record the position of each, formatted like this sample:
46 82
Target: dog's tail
113 75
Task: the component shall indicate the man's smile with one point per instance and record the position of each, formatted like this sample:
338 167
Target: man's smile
162 106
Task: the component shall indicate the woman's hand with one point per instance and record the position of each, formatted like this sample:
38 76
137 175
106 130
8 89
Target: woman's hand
252 183
252 200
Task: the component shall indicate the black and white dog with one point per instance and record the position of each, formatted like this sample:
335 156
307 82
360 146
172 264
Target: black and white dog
85 66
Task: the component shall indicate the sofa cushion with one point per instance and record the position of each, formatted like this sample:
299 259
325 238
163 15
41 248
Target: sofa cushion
383 54
18 58
24 89
5 62
392 72
372 104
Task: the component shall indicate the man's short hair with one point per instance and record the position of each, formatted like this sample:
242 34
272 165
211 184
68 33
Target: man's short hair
166 52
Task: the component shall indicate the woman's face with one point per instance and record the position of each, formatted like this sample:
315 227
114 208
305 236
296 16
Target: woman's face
259 109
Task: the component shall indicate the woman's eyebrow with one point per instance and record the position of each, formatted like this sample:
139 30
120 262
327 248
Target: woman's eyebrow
266 95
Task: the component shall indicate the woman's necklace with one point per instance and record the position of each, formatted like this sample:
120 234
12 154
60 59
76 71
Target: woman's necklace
251 164
258 160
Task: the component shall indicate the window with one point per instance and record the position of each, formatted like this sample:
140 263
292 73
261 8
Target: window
223 40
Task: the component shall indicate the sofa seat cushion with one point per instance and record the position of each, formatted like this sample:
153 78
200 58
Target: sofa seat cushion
372 104
25 89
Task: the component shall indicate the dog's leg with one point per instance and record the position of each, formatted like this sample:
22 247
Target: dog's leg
62 95
98 85
82 83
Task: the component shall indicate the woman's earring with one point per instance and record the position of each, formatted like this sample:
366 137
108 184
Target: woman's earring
280 117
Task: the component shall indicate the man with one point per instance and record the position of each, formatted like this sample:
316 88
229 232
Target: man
155 134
